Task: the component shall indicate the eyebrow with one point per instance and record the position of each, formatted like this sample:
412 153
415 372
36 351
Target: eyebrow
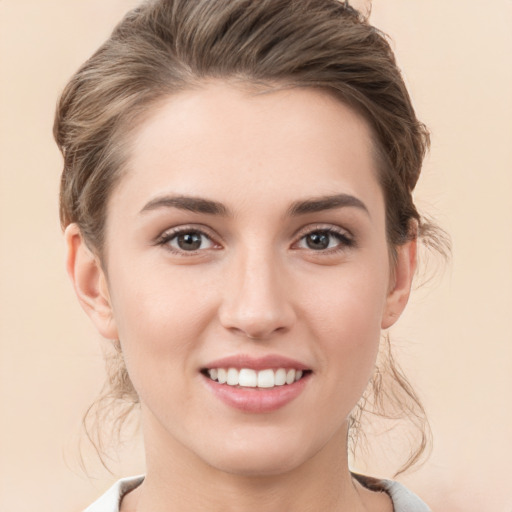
207 206
191 204
319 204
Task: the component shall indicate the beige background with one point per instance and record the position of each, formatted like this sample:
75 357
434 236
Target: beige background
455 339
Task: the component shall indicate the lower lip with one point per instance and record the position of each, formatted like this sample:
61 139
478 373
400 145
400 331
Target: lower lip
257 400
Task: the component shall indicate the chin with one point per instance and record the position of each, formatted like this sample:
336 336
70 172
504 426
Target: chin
262 466
269 456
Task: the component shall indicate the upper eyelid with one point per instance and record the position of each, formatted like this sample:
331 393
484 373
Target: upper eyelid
197 228
311 228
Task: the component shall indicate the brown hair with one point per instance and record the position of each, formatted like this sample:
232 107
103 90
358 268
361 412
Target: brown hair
165 46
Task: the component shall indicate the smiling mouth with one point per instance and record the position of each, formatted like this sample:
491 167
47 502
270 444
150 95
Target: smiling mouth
249 378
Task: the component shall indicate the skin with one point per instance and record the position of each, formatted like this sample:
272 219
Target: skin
255 286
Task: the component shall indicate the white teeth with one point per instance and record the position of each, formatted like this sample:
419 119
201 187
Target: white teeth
232 377
266 379
249 378
280 378
222 375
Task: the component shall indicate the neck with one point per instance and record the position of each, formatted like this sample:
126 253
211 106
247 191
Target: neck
178 480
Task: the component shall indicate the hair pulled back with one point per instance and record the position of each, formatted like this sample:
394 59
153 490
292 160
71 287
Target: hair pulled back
166 46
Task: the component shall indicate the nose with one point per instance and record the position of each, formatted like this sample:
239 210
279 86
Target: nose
257 298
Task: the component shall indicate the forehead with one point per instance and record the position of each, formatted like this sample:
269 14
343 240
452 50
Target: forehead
224 140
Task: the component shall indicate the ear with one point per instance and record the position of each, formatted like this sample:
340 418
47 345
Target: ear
89 282
401 281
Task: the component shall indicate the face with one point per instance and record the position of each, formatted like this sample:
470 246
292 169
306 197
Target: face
246 242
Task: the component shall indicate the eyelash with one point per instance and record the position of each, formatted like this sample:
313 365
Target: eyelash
345 240
168 236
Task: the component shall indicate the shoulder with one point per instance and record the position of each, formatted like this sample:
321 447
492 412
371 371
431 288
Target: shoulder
403 499
111 500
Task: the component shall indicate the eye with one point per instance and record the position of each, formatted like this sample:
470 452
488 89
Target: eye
186 240
325 240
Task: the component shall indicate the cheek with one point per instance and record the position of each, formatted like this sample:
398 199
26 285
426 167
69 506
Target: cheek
352 336
346 319
349 304
151 301
154 320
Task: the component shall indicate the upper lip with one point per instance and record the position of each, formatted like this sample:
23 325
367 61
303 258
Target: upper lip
270 361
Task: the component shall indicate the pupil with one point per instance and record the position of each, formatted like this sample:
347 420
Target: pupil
318 241
189 241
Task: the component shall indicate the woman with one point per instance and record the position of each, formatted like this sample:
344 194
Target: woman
237 204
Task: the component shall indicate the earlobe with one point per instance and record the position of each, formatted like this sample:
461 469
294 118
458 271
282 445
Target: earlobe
89 282
400 288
